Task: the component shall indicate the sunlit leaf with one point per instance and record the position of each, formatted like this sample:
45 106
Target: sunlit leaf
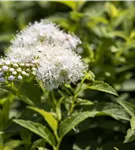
100 86
111 109
48 117
69 123
13 143
111 9
129 107
38 129
130 132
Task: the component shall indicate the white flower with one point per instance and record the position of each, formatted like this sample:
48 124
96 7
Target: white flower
45 51
44 32
58 65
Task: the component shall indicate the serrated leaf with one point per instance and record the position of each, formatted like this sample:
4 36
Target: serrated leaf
37 143
52 122
100 86
129 107
132 123
112 110
130 132
130 136
69 123
38 129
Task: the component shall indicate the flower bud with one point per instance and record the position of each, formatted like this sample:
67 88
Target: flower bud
23 73
5 68
19 77
19 69
11 78
15 65
11 69
2 79
14 73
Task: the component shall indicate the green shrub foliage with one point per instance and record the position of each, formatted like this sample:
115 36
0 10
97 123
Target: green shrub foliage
95 113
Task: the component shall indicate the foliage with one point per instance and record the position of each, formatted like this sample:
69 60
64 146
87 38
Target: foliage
97 112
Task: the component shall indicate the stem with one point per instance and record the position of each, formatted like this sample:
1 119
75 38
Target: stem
75 96
58 144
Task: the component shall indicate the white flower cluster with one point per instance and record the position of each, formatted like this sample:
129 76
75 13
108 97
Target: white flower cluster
53 52
45 32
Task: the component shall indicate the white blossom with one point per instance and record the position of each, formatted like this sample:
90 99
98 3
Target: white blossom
44 32
58 65
45 51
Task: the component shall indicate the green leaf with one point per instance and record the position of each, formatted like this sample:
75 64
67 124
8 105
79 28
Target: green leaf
4 115
131 132
31 91
112 109
111 9
132 123
69 123
130 136
129 107
80 101
75 5
100 86
37 143
48 117
38 129
5 37
13 143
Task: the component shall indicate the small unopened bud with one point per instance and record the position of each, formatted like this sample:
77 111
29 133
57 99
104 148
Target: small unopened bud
34 69
23 73
27 70
19 70
11 78
11 69
5 68
27 75
34 72
19 77
14 73
22 64
15 65
27 65
2 79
